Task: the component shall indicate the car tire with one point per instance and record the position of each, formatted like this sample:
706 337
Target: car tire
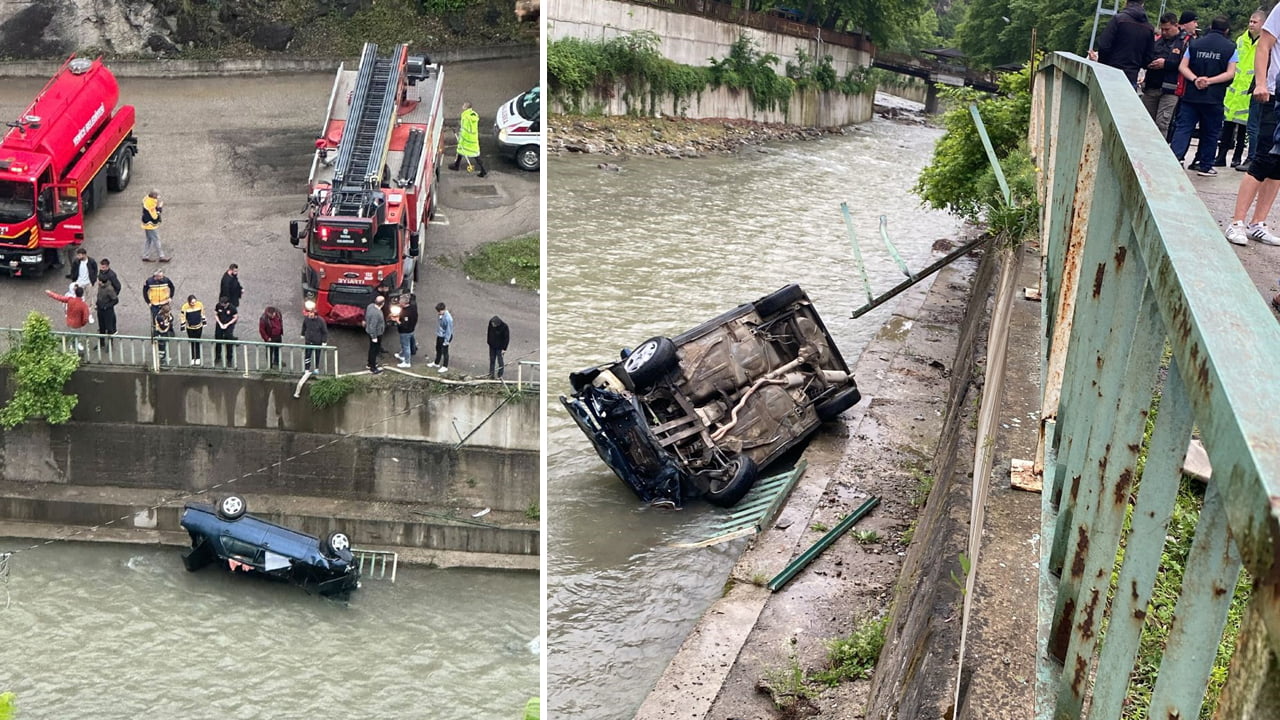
650 361
528 158
336 543
232 507
435 197
740 475
830 409
775 301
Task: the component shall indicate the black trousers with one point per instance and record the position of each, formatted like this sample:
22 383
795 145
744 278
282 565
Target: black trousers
496 360
1232 134
219 349
375 348
107 321
195 346
442 352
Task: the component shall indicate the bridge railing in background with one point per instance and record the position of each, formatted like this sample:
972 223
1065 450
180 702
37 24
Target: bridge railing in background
1134 264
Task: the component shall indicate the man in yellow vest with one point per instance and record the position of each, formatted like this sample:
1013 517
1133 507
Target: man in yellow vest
469 140
1239 94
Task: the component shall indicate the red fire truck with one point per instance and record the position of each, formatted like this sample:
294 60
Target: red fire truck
373 183
57 162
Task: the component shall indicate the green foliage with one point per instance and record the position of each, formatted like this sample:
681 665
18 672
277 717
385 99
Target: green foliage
575 66
533 709
788 687
819 527
506 260
8 705
534 511
809 72
866 537
854 656
746 68
924 486
960 178
963 578
329 391
40 372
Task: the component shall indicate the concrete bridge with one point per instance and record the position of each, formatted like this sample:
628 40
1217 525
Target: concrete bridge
945 70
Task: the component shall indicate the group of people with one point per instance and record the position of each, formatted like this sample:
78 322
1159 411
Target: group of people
404 317
1222 87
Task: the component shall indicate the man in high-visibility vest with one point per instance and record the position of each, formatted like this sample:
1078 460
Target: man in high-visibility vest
1239 94
469 140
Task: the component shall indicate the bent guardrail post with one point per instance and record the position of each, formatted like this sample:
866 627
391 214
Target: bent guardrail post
800 563
857 251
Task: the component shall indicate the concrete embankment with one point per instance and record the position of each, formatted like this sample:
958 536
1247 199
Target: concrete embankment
388 465
910 442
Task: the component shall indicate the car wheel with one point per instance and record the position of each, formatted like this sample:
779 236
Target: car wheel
435 199
336 543
831 408
528 158
123 175
231 507
649 362
734 483
775 301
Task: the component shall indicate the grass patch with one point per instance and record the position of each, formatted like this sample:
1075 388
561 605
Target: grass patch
329 391
819 527
909 534
789 688
854 656
516 259
924 486
534 511
866 537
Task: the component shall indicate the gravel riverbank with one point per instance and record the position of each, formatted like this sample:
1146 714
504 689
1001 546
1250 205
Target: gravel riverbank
679 138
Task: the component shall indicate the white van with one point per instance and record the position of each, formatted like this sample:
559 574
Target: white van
519 129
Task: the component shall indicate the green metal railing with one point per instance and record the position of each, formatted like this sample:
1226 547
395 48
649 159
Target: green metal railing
1133 263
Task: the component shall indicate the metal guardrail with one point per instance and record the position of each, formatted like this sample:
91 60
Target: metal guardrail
1132 262
376 564
244 357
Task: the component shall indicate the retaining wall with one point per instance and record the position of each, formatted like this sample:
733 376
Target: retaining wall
170 435
693 40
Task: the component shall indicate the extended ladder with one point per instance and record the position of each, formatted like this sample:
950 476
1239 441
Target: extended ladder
359 166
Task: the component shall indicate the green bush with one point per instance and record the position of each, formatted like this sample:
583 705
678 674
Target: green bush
960 178
40 372
854 656
329 391
746 68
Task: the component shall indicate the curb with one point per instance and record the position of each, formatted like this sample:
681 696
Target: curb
176 67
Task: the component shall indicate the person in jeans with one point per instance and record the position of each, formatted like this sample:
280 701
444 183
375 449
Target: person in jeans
406 324
1260 186
1208 67
444 336
108 298
499 338
375 324
162 327
1160 85
191 316
271 328
152 207
225 317
315 332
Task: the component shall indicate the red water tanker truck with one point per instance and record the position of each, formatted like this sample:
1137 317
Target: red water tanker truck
57 162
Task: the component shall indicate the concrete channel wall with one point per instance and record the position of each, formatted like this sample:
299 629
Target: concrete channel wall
386 464
694 40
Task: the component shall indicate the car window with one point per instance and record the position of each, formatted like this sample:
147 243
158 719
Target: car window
530 104
249 551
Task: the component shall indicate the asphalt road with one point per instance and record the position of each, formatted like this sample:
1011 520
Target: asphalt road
230 156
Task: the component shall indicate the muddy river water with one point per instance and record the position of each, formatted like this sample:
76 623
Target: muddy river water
654 249
120 631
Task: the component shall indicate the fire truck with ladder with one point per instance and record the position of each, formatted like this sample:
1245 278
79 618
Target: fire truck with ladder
57 162
373 184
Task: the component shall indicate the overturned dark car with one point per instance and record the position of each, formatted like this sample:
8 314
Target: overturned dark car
700 414
243 543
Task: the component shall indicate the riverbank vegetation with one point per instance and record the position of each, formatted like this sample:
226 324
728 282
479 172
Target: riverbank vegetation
577 68
507 262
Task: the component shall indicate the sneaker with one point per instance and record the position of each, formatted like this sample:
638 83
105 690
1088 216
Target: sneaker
375 370
399 357
442 369
164 259
402 365
431 364
1206 172
148 260
1260 232
1238 233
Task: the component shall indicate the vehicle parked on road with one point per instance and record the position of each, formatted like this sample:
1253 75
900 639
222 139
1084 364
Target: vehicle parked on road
700 414
518 128
225 532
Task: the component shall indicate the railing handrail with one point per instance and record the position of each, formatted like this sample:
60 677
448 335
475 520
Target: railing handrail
1133 260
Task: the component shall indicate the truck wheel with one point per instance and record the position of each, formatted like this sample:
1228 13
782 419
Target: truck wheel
336 543
124 173
739 477
649 362
830 409
775 301
528 158
435 198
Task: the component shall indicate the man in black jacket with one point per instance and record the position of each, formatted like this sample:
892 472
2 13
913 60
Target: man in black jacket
1128 41
1208 68
231 288
1161 83
499 338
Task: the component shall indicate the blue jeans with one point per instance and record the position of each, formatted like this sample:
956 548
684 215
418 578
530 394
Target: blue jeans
1209 117
407 345
1254 126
